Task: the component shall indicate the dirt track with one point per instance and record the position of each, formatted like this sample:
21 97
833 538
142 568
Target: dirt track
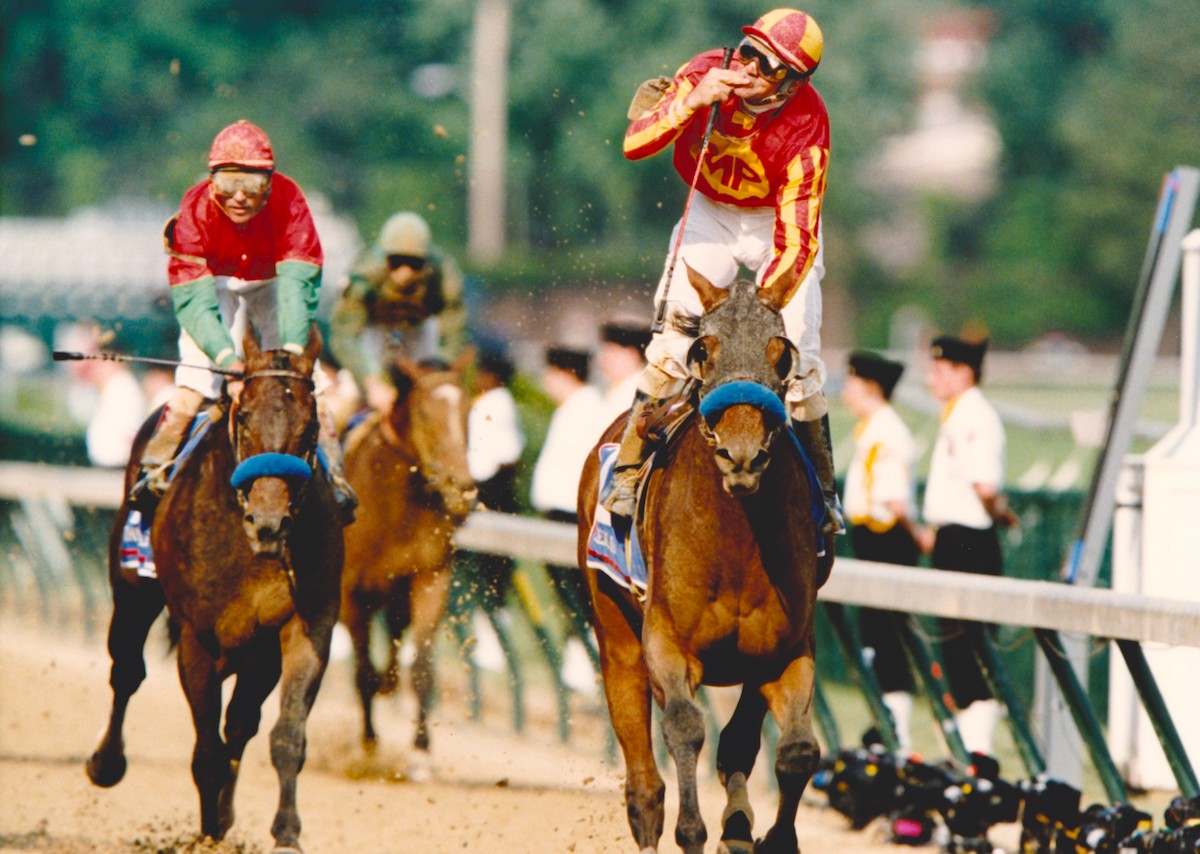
493 791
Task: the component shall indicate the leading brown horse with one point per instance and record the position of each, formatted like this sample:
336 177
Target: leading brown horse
249 575
410 466
730 544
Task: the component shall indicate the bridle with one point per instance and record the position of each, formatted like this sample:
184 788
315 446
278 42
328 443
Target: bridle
273 464
413 450
740 389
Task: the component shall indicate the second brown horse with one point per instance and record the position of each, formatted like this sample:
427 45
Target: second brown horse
409 466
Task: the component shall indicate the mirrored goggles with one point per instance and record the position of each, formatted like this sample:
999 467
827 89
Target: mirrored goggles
228 182
416 262
770 67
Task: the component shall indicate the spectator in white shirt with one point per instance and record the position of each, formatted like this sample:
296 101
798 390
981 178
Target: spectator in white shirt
575 426
881 508
964 507
620 360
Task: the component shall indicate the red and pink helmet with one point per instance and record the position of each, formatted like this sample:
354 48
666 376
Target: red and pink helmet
793 35
241 144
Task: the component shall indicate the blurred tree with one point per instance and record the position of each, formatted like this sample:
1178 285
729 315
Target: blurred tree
365 102
1094 102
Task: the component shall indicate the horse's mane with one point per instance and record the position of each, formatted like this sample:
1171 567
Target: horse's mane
686 323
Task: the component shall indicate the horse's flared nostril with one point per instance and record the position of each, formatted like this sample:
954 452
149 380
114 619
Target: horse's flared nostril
285 525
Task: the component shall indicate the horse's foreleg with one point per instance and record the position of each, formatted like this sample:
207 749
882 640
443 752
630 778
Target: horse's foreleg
305 653
682 726
255 680
399 615
627 690
211 769
135 608
736 753
356 615
797 754
428 597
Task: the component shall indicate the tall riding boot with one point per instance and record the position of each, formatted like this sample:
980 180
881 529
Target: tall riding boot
335 468
155 466
814 438
620 494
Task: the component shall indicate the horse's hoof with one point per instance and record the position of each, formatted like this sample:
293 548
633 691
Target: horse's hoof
105 773
735 846
420 768
286 849
776 844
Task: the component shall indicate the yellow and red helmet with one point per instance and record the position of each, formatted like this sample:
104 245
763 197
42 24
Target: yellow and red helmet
793 35
241 144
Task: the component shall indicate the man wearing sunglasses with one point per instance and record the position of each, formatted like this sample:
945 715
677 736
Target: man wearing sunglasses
242 248
403 296
758 199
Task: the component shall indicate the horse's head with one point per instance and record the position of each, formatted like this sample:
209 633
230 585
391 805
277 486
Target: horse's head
743 360
431 409
274 430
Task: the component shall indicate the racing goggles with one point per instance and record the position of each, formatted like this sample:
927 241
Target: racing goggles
769 66
416 262
227 183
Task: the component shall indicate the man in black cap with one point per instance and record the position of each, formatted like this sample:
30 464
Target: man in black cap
620 360
964 507
880 502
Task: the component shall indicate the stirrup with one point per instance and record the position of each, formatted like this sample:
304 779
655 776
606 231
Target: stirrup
345 498
835 520
150 486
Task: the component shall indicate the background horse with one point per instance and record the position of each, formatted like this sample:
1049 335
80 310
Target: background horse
410 468
249 576
730 545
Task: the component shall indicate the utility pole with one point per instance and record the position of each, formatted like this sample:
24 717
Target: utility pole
487 149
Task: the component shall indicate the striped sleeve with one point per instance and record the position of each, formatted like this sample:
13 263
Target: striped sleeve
797 215
658 127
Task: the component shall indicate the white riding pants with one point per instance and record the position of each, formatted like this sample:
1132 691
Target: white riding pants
716 239
240 301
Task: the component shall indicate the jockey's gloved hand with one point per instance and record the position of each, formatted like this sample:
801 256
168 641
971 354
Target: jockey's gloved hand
233 385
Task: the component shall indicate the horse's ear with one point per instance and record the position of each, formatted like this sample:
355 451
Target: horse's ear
784 357
250 349
405 371
710 295
312 349
774 296
702 356
465 358
315 342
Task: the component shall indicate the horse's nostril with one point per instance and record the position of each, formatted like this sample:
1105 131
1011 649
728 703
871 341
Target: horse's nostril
248 518
285 525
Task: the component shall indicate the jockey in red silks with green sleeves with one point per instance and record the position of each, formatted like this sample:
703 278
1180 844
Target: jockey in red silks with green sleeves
243 247
759 193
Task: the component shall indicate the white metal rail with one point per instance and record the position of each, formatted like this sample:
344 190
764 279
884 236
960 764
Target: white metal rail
1009 601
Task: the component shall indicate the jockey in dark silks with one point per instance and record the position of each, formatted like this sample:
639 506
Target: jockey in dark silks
403 296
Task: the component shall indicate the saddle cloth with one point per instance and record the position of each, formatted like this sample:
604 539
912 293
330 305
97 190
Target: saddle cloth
613 550
616 552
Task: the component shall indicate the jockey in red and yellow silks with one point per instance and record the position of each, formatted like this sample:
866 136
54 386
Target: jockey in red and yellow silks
777 159
243 249
758 202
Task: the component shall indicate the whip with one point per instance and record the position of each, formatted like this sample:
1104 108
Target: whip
69 356
660 314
